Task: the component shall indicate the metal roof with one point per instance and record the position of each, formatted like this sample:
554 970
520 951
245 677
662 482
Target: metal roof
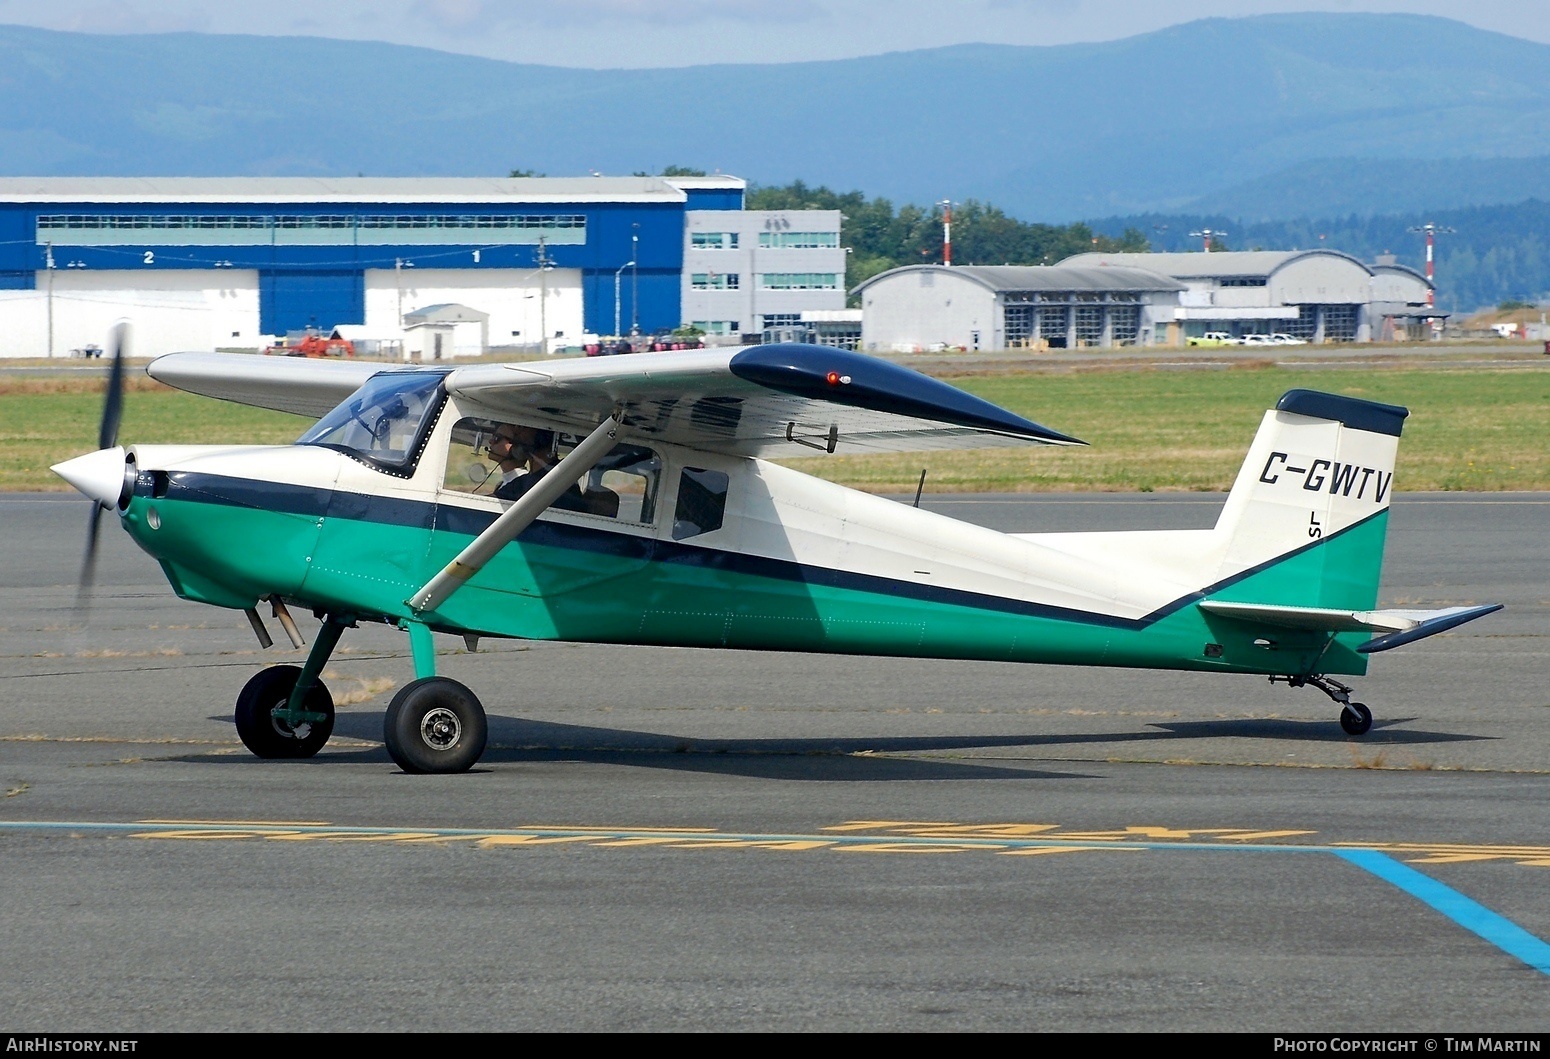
491 190
1201 265
715 182
1060 277
445 313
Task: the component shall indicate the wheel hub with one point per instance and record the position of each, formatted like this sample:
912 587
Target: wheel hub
440 729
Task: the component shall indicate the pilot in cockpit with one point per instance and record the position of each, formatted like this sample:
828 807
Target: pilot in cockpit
524 455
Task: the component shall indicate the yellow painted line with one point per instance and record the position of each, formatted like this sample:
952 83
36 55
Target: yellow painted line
879 825
568 828
246 823
1038 851
909 847
854 836
491 841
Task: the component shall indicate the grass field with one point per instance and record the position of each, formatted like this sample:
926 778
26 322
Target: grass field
1149 428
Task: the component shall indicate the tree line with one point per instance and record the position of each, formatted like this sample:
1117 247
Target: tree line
1492 255
881 237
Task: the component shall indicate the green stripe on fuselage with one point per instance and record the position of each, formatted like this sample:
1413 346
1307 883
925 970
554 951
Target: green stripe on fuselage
552 591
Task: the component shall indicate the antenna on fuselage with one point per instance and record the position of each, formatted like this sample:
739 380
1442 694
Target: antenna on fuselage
921 487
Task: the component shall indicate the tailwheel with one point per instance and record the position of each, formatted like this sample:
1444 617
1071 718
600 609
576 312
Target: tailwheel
1355 718
267 726
435 725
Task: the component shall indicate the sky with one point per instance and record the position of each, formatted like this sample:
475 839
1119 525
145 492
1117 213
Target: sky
645 33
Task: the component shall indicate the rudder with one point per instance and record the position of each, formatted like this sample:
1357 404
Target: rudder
1321 467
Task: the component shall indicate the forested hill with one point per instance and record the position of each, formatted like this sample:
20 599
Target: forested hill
1494 253
1159 121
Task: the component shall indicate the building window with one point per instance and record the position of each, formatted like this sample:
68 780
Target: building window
799 281
713 240
781 320
799 240
714 280
1243 281
214 229
717 327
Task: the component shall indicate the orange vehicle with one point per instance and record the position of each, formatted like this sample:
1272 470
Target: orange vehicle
313 344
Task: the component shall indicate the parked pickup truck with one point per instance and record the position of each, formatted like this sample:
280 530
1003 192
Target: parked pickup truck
1216 338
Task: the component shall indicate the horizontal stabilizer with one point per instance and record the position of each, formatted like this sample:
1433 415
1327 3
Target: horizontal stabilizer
1400 626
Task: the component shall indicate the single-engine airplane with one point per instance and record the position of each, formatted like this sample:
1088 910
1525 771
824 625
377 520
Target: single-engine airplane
660 520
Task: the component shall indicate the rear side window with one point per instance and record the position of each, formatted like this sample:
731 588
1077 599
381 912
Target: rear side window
702 502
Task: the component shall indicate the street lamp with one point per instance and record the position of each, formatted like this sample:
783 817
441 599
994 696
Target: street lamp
634 280
617 273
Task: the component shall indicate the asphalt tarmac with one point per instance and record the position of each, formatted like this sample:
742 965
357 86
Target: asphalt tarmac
663 839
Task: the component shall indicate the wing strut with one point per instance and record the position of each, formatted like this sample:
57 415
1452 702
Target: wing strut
518 516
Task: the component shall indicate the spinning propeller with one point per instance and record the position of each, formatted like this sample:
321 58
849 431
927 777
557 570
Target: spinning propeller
100 475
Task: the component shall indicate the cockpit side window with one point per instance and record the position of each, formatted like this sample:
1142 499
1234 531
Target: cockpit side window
493 458
385 422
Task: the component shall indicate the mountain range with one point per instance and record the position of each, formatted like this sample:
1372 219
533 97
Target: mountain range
1264 117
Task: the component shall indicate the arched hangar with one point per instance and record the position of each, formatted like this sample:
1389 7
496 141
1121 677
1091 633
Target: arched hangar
919 307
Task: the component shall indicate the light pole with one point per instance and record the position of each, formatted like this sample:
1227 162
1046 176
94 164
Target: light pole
399 264
635 280
48 255
617 273
947 231
543 297
1207 234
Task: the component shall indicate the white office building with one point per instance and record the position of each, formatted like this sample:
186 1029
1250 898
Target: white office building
754 272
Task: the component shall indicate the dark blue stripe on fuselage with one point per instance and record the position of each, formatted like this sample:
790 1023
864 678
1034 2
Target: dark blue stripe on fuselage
425 515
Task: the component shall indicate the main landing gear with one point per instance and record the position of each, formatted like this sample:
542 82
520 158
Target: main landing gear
1355 717
435 725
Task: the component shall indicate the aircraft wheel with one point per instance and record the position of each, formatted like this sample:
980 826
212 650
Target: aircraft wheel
267 735
435 725
1356 719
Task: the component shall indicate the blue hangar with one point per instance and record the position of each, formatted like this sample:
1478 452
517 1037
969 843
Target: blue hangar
227 262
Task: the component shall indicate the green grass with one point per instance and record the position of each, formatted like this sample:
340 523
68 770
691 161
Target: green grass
1149 429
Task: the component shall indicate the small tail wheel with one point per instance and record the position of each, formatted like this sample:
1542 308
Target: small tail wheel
271 736
1356 718
435 725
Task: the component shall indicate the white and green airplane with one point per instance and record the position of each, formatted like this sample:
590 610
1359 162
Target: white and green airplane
663 522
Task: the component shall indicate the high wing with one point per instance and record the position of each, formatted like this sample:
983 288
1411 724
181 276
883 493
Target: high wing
777 400
1400 626
285 384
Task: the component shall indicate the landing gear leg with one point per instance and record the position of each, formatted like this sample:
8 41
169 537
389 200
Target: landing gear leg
1355 717
286 712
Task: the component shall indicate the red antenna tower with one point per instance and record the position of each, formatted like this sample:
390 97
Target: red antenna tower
1206 234
1432 232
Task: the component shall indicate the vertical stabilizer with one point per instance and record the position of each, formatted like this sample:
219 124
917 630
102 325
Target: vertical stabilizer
1318 480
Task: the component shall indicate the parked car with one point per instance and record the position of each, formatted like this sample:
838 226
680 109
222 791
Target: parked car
1259 340
1216 338
1281 338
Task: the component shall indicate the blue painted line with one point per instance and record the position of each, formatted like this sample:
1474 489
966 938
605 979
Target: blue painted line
1471 915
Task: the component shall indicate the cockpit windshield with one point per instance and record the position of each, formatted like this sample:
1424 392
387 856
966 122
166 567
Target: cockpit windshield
384 422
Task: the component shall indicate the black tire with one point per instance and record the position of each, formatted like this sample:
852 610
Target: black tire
435 725
268 736
1356 719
